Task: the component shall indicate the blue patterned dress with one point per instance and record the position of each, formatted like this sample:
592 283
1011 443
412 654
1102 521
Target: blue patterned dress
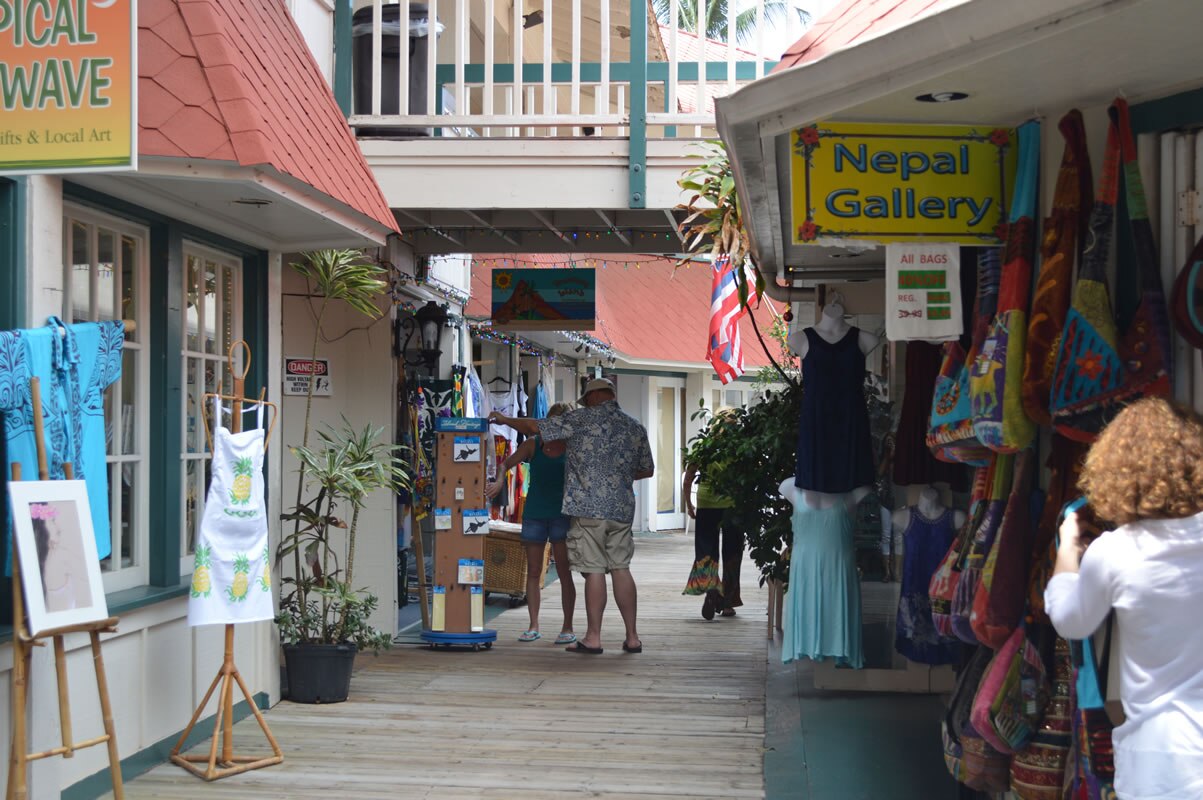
925 543
74 365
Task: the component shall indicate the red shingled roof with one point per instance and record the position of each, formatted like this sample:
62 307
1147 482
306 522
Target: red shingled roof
233 80
854 20
646 310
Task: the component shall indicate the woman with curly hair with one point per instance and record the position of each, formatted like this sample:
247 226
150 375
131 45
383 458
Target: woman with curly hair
1144 474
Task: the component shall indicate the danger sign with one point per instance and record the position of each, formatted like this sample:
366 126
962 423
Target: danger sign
297 372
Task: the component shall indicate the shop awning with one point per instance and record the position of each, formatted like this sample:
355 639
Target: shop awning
869 59
239 132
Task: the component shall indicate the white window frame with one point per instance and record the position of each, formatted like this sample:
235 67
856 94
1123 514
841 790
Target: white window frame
137 571
219 359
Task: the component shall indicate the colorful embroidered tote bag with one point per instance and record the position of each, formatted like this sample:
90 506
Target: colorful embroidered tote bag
951 435
1063 230
1010 702
979 549
943 585
1099 369
1038 771
996 374
998 604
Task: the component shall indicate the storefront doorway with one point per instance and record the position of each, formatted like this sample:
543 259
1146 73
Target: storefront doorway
666 432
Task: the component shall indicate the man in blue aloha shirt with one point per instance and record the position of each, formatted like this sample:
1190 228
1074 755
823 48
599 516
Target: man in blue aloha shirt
607 452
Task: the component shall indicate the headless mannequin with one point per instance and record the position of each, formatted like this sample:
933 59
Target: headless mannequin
831 327
931 508
792 493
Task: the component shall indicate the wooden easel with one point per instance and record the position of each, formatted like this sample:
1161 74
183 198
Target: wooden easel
226 764
23 644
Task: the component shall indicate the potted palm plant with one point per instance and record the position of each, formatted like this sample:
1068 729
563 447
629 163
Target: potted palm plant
323 618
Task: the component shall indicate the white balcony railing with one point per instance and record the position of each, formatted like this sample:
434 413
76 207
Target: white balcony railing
552 68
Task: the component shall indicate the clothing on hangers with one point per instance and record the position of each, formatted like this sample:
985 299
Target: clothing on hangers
231 577
75 364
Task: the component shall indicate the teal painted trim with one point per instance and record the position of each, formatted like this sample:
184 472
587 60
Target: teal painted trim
132 599
254 320
637 160
344 44
651 373
166 392
670 131
99 784
620 72
12 315
1183 110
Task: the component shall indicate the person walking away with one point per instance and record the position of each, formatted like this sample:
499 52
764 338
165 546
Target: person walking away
607 452
1144 473
712 518
543 521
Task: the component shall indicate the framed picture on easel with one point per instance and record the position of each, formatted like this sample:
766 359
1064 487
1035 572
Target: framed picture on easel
56 546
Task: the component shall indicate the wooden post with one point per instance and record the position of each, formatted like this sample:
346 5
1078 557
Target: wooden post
24 642
227 675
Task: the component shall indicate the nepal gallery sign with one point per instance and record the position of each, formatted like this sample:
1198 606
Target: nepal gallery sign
900 183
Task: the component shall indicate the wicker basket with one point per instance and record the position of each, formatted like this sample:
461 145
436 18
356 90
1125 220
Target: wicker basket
505 560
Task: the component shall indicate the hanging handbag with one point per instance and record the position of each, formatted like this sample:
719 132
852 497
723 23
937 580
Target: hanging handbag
960 706
996 374
1011 699
1038 771
983 539
998 603
983 768
951 435
1099 370
1095 771
942 587
1063 229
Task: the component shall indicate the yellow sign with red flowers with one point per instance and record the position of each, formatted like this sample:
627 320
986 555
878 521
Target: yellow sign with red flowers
900 183
68 85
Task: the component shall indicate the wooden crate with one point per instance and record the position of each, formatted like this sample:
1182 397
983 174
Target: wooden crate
505 561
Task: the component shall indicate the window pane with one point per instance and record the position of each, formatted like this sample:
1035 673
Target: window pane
110 417
81 273
129 288
227 309
191 506
128 386
735 398
666 478
210 311
106 282
192 319
192 422
128 527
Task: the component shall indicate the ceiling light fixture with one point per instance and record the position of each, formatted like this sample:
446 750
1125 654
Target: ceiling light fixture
941 97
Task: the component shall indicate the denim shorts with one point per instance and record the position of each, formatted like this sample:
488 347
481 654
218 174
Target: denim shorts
539 531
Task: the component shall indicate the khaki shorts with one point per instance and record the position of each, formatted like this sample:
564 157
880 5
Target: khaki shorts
599 545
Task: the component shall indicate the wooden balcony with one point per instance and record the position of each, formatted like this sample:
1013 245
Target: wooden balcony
536 118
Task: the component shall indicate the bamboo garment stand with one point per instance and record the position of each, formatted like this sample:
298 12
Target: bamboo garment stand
23 644
217 766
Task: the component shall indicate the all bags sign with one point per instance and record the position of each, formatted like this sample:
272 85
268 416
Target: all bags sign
900 183
68 85
923 292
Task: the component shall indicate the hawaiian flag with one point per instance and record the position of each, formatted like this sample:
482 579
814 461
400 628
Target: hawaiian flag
724 351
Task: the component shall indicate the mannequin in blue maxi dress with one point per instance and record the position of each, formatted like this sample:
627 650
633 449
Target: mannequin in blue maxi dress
822 613
926 530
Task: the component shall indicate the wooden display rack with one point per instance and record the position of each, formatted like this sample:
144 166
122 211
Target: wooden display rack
23 644
459 485
221 766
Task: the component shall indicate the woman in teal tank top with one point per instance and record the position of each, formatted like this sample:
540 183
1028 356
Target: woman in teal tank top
543 521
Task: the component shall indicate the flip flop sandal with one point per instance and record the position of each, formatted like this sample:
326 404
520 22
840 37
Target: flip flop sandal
578 647
636 649
566 638
529 636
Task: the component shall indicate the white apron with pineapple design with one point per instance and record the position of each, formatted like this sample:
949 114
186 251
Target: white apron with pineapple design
231 577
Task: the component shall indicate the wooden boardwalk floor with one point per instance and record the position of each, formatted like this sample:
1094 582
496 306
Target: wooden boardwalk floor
528 720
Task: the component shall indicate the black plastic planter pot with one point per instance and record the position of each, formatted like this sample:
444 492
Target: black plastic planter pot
319 673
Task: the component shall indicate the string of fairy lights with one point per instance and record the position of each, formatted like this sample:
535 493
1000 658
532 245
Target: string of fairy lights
456 235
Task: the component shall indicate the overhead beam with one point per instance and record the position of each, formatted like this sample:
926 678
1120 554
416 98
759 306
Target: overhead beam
426 226
672 223
610 224
486 224
539 215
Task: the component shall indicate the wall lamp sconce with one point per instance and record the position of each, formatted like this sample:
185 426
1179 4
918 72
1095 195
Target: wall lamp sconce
428 322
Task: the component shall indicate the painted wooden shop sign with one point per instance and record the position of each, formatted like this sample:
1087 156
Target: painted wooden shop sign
900 183
544 299
68 85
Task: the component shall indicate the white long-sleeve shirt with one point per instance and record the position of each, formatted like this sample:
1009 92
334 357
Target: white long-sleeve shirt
1151 572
